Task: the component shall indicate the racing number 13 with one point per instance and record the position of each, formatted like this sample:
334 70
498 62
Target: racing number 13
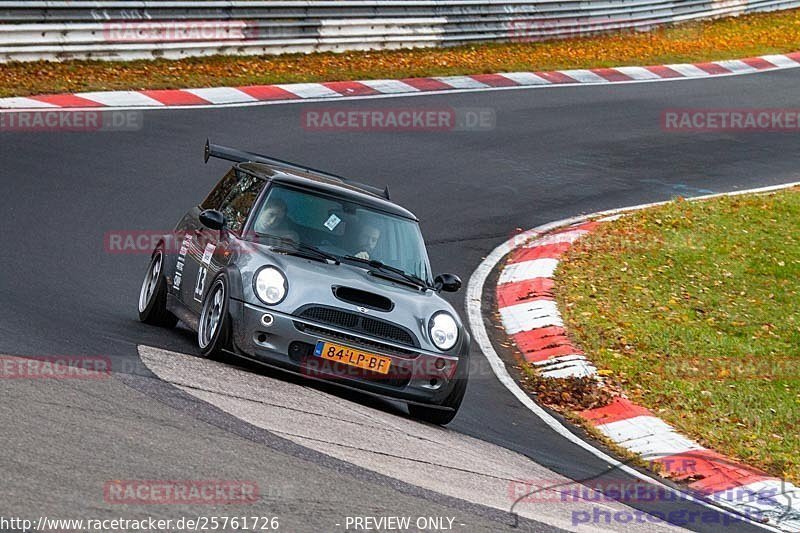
201 283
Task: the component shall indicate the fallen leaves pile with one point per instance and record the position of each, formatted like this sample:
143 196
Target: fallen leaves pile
571 394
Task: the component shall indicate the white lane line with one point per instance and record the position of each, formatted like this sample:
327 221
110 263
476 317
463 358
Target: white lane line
530 315
638 73
688 70
390 86
584 76
461 82
121 99
222 95
309 90
525 270
525 78
473 305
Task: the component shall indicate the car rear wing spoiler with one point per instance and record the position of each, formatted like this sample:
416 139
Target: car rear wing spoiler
240 156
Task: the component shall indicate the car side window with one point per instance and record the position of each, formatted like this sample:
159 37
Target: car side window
220 191
240 200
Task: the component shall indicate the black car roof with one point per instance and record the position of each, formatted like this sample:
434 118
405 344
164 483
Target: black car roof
329 185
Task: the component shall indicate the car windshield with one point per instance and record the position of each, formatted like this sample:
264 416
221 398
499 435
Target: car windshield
343 228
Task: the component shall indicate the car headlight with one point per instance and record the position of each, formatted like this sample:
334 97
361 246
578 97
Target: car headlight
270 285
443 330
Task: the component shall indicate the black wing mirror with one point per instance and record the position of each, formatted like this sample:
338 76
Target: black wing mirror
447 282
212 219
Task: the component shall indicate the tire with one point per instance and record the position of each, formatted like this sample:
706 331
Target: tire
214 326
153 294
453 400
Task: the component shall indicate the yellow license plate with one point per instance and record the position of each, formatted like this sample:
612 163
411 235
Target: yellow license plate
353 357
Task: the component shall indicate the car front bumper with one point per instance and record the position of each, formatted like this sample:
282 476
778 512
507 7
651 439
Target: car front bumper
288 341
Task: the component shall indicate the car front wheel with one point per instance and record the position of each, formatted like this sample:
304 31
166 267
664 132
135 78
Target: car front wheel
213 330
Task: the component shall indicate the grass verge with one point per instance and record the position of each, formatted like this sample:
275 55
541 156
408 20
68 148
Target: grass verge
694 309
743 36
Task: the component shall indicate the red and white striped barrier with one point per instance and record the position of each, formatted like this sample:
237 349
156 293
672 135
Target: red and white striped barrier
528 310
531 319
294 92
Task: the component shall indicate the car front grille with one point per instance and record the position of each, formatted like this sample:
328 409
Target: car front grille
358 323
352 340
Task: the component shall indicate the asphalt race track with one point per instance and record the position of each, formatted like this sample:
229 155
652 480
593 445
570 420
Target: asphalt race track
318 455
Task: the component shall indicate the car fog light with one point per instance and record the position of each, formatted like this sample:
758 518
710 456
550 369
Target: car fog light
267 319
439 364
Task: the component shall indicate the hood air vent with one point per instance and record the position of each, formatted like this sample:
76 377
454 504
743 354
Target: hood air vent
363 298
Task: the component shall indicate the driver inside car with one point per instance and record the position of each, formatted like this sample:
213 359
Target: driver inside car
273 221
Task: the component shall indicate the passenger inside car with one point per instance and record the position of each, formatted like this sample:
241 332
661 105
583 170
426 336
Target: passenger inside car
368 237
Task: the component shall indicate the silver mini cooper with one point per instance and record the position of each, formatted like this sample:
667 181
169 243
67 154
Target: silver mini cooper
317 275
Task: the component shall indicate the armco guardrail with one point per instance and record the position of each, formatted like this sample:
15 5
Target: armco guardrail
147 29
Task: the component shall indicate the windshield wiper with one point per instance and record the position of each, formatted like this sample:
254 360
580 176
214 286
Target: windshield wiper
301 249
417 281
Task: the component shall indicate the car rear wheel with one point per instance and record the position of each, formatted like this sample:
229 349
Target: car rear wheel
213 330
153 295
453 401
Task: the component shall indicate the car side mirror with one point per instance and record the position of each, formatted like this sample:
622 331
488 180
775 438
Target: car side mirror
447 282
212 219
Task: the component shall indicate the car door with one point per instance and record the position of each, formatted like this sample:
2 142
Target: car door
205 256
188 243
